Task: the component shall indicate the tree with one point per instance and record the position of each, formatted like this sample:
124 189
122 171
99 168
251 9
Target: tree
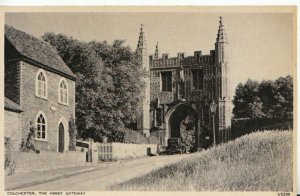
107 86
270 99
187 132
72 134
283 107
267 93
246 102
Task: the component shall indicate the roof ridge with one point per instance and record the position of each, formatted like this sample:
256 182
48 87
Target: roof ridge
37 50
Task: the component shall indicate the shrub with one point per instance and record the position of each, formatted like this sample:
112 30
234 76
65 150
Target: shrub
73 133
115 136
242 127
134 137
9 164
187 132
28 144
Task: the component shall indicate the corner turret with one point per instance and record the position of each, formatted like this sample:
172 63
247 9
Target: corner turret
143 117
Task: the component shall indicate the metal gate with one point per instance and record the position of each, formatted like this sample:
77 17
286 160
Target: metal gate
104 151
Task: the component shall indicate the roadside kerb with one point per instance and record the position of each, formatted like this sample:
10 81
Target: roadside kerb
60 176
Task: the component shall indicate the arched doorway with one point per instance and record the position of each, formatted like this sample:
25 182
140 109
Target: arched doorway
61 137
180 117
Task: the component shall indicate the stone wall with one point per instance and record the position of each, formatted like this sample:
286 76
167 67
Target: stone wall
47 160
12 128
117 151
121 150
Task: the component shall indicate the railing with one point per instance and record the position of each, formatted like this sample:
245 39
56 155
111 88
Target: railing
105 151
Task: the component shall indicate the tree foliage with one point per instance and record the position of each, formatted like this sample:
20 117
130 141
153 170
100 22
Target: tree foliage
72 134
187 132
270 99
107 86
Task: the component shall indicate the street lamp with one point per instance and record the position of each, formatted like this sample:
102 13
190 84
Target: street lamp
213 109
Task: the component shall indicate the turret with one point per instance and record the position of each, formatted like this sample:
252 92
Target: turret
222 64
222 84
141 50
143 117
156 54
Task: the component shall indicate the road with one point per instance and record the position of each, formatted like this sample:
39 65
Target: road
99 180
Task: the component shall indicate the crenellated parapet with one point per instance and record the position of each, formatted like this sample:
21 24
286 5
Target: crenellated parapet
181 60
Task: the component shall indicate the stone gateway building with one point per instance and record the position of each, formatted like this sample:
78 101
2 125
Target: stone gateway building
184 86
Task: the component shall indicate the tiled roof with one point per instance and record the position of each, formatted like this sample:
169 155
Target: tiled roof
11 106
37 50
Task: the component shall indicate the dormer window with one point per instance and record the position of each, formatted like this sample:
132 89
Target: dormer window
41 84
63 92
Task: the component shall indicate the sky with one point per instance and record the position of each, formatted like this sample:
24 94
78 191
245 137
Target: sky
261 44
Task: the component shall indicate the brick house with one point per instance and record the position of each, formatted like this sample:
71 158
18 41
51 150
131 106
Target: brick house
42 86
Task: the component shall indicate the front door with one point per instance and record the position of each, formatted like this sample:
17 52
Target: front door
61 138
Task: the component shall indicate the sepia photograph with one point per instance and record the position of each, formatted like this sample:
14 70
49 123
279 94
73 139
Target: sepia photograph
193 99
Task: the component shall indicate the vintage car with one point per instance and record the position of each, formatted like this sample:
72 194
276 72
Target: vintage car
175 146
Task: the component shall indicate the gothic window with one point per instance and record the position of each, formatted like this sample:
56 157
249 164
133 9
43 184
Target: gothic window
63 92
158 117
41 84
41 126
166 81
197 82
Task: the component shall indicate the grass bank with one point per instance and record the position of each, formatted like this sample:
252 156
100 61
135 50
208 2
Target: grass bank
261 161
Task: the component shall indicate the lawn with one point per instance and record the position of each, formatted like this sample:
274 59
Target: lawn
261 161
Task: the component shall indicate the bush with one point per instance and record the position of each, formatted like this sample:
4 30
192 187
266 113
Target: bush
9 164
246 126
73 133
134 137
115 136
187 132
28 144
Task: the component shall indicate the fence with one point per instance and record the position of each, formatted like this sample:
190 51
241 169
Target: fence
105 151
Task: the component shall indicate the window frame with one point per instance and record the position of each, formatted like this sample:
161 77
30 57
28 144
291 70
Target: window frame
199 85
41 113
168 84
41 71
66 91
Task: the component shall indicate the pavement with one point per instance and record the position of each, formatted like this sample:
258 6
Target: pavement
27 179
88 178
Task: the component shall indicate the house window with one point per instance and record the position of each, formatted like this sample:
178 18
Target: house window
41 127
197 79
166 81
41 84
63 92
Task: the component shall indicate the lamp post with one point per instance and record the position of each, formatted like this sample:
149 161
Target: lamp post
213 109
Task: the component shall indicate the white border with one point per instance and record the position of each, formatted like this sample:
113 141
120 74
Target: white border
139 2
